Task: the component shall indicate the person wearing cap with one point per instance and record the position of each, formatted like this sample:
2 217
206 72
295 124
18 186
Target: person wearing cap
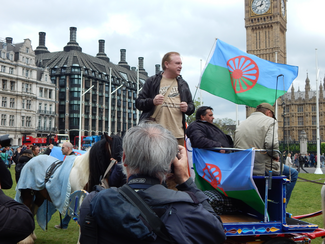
260 130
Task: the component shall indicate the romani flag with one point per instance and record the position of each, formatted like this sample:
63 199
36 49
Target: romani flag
229 173
57 153
245 78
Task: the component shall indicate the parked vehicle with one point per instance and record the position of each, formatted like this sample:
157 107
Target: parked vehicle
90 141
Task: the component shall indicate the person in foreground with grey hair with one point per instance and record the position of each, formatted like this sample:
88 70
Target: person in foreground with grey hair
148 152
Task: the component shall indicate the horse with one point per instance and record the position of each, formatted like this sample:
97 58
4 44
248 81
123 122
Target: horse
84 172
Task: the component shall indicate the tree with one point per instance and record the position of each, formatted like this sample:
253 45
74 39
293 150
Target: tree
228 126
191 118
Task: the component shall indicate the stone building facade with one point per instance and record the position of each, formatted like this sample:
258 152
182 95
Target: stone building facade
297 113
74 72
40 90
26 92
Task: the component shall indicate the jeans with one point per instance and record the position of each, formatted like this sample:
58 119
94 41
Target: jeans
65 221
291 185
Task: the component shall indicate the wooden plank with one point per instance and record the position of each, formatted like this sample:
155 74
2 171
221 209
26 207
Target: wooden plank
238 218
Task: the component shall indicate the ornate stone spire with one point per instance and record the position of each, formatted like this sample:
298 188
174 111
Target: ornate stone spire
292 93
307 88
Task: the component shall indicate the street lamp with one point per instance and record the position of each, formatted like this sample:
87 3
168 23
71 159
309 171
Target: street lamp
138 80
110 100
81 95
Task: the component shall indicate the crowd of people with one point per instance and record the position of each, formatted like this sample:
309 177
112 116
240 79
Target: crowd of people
152 153
300 161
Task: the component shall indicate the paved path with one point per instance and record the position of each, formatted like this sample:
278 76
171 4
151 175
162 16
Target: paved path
311 170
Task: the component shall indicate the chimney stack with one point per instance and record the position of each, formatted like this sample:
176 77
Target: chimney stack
123 62
41 44
101 50
9 40
157 68
73 34
72 44
141 69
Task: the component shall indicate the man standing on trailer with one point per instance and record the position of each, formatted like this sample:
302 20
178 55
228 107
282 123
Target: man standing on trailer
165 97
260 130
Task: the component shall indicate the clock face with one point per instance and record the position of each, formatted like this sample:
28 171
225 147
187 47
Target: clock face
283 10
261 6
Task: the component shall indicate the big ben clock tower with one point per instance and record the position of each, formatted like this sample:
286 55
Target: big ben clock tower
266 26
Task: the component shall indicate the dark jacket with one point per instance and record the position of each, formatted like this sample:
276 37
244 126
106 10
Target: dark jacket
5 177
203 134
301 159
117 177
24 157
15 156
47 151
150 89
187 216
16 221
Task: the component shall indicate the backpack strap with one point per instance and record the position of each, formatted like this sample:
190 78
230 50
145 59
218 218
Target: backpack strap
147 213
51 169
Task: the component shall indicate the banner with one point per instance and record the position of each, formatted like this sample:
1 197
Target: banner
57 153
230 174
245 78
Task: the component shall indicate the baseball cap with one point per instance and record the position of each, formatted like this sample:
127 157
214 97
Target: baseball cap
267 106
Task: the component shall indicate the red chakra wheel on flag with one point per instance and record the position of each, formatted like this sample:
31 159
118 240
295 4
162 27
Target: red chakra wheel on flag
244 73
212 174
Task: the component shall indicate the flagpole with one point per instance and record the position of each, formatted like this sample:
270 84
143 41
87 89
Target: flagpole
276 100
237 124
110 102
318 169
201 100
138 80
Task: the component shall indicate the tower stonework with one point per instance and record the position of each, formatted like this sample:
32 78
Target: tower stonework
266 27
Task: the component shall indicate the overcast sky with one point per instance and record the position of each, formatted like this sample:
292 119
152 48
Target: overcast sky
149 29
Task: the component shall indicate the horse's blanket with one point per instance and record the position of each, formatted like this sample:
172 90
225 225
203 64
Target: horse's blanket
33 177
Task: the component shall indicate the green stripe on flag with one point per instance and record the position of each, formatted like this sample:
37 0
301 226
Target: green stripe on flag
216 80
250 197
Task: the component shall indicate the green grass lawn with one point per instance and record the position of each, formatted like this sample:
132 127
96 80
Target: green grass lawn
305 199
52 235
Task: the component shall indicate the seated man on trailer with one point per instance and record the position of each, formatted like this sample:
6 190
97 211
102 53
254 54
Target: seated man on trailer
260 130
204 134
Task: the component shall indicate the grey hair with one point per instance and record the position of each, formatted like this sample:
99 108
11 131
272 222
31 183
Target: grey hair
149 150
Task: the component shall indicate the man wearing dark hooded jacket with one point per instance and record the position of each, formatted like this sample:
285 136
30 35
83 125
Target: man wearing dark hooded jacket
149 150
